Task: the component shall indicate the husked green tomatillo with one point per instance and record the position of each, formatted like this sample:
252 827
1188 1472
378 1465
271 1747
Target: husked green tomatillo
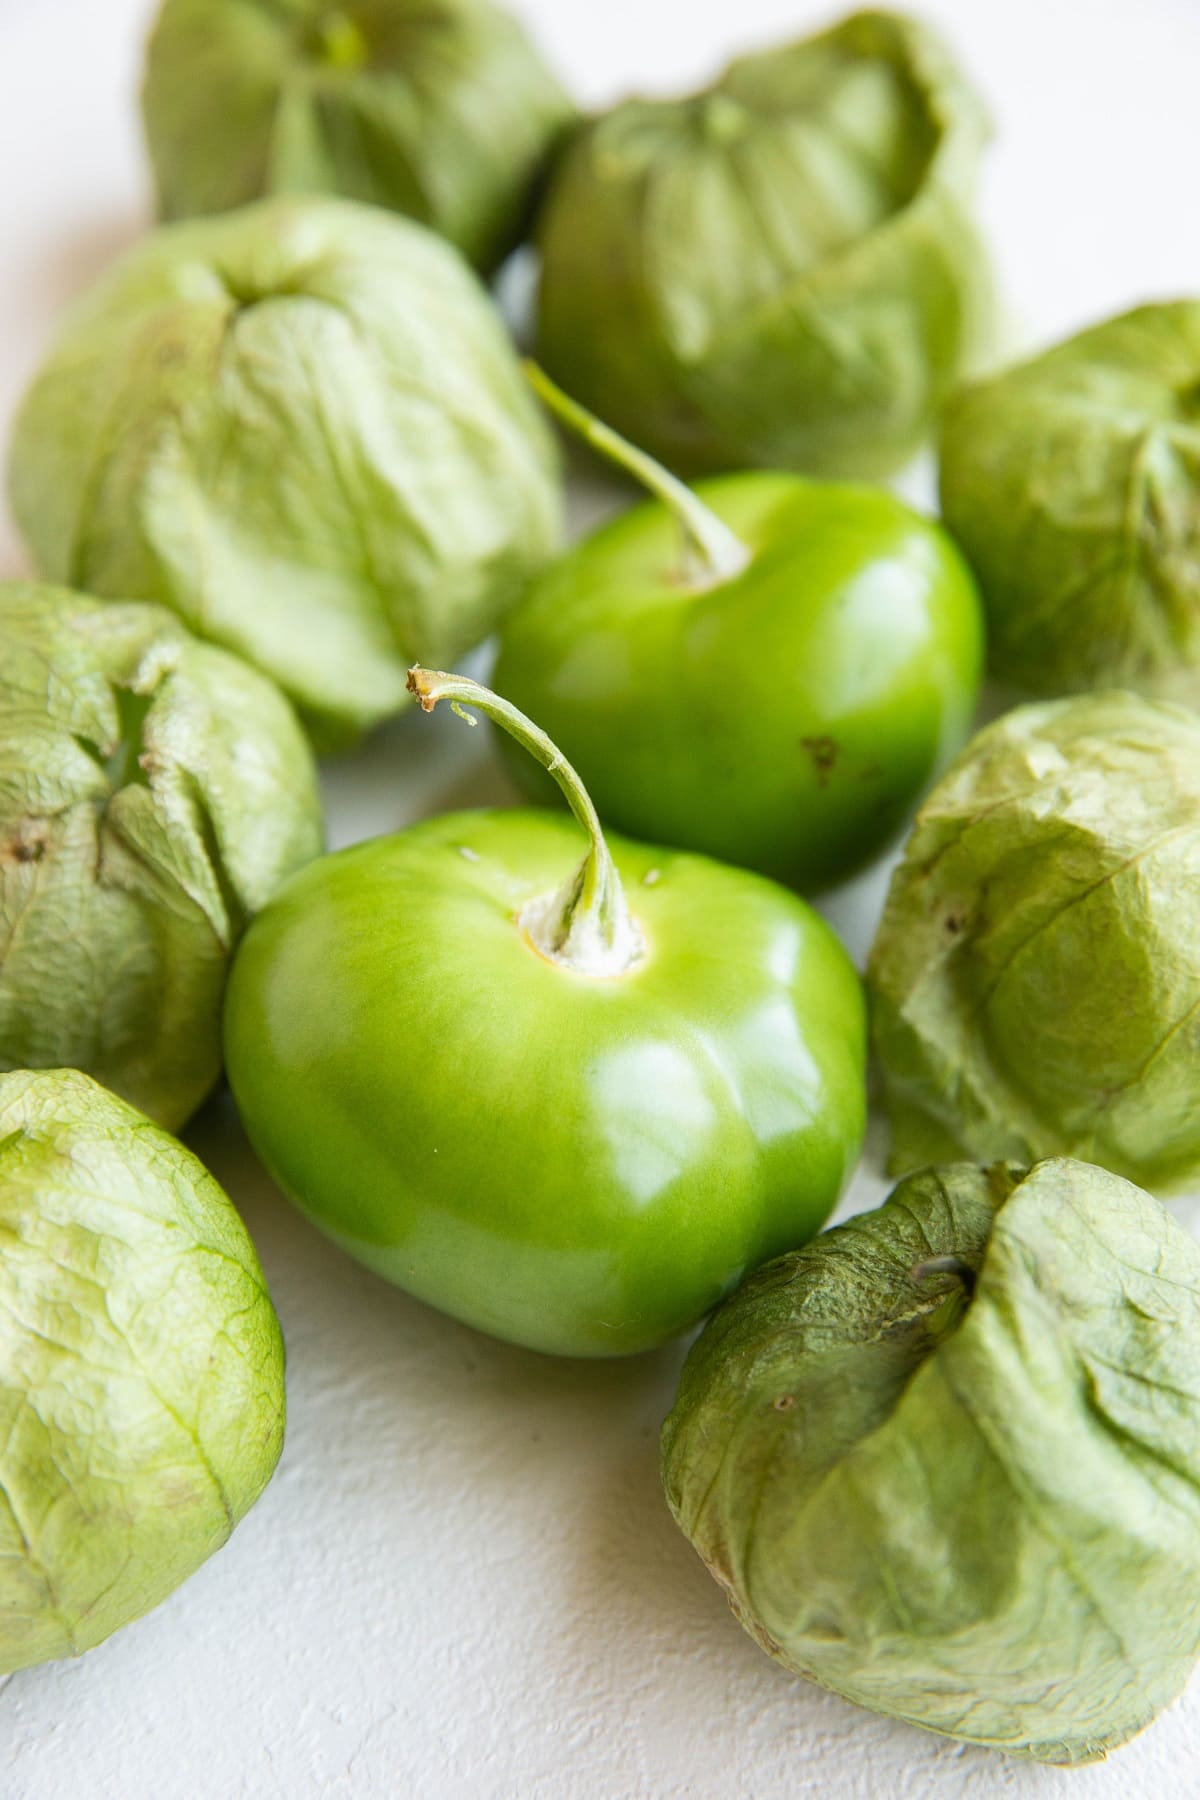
303 428
141 1366
782 270
1035 981
154 792
764 669
1073 484
944 1460
567 1101
442 109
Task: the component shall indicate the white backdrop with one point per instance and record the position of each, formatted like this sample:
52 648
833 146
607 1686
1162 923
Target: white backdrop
463 1581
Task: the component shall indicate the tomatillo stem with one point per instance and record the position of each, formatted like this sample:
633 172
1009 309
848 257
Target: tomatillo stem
340 43
585 924
712 552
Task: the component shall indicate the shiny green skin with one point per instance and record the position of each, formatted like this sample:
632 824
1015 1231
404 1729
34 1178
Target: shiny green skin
582 1165
787 720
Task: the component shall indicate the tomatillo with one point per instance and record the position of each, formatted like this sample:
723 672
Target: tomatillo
571 1119
779 694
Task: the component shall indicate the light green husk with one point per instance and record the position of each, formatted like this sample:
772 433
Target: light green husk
782 270
141 1366
1035 981
979 1514
441 109
154 792
1073 484
303 428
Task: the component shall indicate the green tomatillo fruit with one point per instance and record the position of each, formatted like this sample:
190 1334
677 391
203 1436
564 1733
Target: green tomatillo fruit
783 270
570 1103
302 427
154 792
141 1366
442 109
768 669
944 1460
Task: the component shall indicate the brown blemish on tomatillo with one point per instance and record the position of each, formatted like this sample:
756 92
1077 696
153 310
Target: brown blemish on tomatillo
824 753
27 845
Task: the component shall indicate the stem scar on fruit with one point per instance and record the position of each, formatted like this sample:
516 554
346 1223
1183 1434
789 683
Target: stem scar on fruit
585 924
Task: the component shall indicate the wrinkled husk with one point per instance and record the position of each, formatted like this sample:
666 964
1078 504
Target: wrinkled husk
303 428
1073 484
1035 981
443 111
783 270
981 1515
154 792
141 1366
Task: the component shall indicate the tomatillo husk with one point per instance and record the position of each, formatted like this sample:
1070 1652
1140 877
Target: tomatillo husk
141 1366
154 793
1035 980
782 270
945 1459
441 109
1073 484
303 428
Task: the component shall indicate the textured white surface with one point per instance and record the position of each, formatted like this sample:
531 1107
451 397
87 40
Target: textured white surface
463 1581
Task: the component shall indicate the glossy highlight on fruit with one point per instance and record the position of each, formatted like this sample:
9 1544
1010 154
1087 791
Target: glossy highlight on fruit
570 1103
